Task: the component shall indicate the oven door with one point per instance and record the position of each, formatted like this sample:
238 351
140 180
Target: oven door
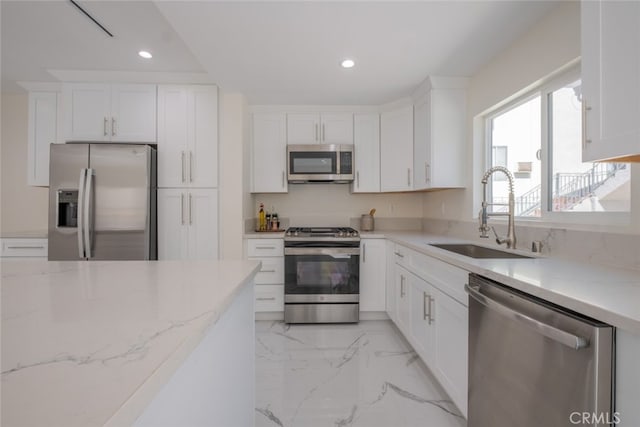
321 274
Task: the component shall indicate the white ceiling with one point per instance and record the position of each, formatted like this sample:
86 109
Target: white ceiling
273 52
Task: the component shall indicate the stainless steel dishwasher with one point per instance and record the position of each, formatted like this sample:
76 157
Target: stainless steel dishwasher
531 363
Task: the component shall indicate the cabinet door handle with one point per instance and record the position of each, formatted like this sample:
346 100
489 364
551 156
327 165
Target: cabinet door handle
266 299
190 210
323 138
104 126
182 208
25 247
113 126
585 108
358 179
316 132
364 253
267 271
282 179
401 286
431 317
182 164
190 166
409 177
424 305
427 173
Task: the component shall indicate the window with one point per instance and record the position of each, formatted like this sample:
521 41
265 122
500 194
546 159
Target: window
542 133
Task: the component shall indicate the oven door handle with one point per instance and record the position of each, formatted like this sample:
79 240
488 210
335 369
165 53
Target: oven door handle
333 252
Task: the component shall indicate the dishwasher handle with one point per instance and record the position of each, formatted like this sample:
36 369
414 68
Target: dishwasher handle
570 340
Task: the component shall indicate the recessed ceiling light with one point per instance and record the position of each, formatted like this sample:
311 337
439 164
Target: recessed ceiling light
145 54
348 63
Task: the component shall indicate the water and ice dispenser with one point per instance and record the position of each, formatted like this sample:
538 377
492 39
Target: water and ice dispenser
67 215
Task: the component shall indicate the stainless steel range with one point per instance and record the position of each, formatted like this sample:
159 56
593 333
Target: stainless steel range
322 273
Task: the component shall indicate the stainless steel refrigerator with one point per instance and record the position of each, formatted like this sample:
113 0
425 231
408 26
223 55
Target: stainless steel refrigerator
102 202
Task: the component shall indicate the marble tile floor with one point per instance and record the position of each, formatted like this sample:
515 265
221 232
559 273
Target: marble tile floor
345 375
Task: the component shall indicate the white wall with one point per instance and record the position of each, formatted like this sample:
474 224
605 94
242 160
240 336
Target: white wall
233 181
22 208
334 204
550 45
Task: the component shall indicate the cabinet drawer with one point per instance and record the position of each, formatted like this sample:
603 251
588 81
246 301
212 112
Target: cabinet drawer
265 247
446 277
271 272
269 298
24 247
401 255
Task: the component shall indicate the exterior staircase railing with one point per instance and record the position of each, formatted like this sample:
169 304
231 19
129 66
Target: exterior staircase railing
569 189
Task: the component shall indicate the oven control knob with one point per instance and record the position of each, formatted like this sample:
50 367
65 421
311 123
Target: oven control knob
354 233
341 233
295 233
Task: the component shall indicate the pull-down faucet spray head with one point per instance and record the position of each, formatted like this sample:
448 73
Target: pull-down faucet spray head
483 215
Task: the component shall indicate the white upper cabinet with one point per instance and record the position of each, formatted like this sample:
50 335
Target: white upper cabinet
110 113
366 141
439 139
396 149
325 128
269 153
187 136
44 118
611 79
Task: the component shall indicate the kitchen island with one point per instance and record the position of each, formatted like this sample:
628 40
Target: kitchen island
126 343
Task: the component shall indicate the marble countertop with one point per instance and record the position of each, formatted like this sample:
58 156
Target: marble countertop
91 343
611 295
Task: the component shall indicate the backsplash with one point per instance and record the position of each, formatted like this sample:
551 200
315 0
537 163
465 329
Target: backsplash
610 249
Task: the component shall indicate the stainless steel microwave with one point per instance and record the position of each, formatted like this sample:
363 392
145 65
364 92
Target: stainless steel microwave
320 163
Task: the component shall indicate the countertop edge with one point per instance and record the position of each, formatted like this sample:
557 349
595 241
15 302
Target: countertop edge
135 405
584 307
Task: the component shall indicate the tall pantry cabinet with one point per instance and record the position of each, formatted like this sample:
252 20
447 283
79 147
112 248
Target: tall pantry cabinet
187 172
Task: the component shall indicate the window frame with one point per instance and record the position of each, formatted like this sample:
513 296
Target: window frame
544 89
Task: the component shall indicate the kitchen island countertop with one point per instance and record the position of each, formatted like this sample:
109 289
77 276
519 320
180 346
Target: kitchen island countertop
91 343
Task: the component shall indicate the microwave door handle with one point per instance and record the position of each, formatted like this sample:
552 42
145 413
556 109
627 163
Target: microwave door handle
80 214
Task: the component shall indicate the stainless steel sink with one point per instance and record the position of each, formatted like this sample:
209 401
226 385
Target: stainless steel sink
475 251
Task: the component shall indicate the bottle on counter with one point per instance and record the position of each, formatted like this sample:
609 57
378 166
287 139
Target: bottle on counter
275 224
262 219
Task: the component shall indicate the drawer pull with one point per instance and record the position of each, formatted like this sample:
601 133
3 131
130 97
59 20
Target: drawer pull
399 254
25 247
267 271
266 299
265 247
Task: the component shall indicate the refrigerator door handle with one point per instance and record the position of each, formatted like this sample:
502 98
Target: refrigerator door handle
80 227
88 214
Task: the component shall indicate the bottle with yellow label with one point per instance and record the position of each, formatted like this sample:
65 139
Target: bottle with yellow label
262 219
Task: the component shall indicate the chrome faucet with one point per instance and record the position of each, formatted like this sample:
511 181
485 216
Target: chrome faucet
510 240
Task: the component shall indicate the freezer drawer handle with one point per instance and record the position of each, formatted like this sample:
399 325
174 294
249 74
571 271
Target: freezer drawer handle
572 341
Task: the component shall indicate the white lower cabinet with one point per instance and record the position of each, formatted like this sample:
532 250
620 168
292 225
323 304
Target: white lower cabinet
18 248
390 280
187 223
450 336
269 295
431 310
421 319
403 300
372 274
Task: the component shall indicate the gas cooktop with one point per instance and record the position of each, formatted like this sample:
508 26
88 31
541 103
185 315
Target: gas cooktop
321 232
